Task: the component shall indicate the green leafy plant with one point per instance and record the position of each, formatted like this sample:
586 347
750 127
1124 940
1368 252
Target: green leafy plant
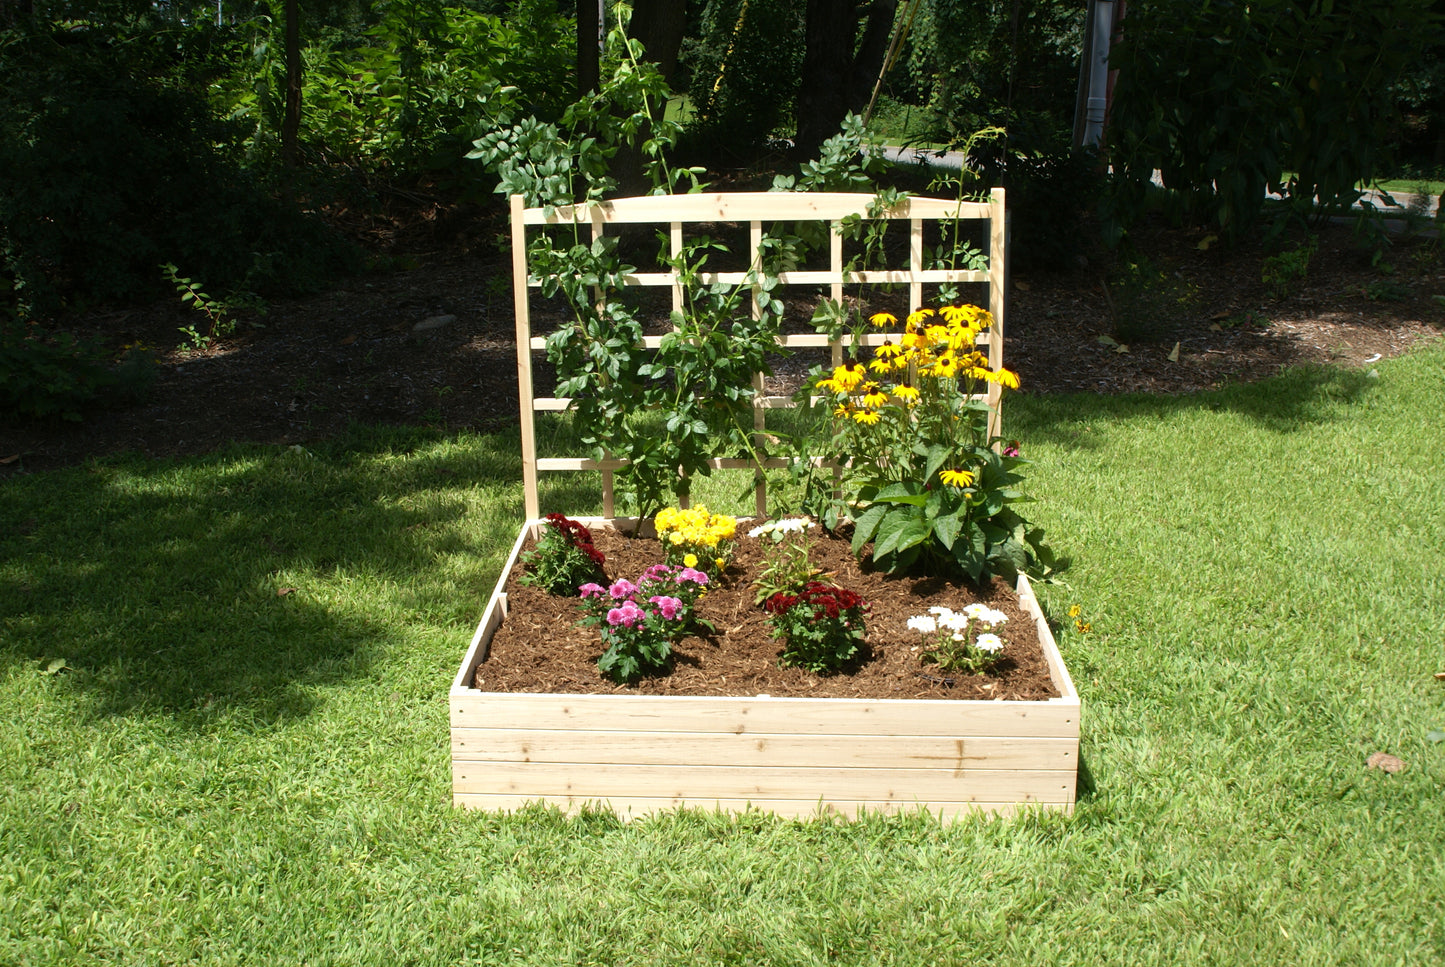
1284 271
822 626
919 470
786 566
564 558
216 311
960 641
45 375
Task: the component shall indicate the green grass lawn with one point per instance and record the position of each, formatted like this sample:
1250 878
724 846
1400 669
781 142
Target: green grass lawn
223 716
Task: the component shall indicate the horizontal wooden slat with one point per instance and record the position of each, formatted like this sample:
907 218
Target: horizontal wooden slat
716 463
601 780
818 716
809 277
632 807
797 340
762 749
743 206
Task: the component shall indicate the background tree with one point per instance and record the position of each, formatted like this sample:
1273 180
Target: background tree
1227 100
838 69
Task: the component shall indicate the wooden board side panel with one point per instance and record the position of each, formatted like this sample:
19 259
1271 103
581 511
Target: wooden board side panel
605 780
633 807
813 716
762 750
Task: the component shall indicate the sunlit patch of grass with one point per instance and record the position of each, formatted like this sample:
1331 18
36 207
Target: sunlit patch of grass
242 757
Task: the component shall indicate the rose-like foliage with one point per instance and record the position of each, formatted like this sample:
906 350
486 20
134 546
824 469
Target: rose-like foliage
822 626
564 558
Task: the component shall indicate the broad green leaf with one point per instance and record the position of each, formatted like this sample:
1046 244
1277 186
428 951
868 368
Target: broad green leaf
866 524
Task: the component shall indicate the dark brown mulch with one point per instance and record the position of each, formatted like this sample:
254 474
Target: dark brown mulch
541 648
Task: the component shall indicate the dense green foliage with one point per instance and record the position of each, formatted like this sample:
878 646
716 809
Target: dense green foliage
114 164
743 60
1227 100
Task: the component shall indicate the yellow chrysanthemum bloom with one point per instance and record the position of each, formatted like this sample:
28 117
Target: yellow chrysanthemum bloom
689 560
867 417
883 319
676 537
956 478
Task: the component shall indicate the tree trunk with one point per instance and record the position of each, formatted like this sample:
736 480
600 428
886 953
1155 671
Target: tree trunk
659 24
588 71
835 81
291 120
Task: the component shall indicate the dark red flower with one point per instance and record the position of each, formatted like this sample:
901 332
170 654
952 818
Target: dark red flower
779 603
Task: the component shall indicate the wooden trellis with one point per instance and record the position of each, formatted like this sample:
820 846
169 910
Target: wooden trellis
755 209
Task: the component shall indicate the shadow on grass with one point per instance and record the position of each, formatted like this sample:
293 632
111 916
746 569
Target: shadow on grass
1293 400
255 578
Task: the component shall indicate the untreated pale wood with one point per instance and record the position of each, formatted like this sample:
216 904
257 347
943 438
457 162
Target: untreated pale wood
756 210
760 749
722 781
631 807
749 715
744 206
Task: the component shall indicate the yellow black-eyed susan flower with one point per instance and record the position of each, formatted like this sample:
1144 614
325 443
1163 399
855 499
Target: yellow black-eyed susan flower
956 478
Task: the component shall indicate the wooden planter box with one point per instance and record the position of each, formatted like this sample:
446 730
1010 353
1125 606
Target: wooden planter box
790 756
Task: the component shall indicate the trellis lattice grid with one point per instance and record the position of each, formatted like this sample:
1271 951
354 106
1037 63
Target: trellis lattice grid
754 209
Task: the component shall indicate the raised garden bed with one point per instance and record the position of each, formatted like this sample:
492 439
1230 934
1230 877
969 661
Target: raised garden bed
638 752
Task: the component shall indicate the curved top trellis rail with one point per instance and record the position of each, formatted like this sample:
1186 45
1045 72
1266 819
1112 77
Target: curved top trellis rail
753 209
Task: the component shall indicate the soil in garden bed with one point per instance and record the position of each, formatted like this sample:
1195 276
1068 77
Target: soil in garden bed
541 648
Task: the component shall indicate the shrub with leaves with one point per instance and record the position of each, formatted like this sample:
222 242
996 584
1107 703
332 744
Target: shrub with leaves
822 626
564 558
786 566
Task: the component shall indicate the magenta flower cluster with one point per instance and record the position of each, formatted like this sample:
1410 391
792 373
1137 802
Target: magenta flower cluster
640 620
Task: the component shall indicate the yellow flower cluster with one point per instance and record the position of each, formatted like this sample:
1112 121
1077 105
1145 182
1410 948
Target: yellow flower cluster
695 537
934 350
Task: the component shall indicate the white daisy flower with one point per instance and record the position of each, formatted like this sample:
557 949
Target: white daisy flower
989 643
